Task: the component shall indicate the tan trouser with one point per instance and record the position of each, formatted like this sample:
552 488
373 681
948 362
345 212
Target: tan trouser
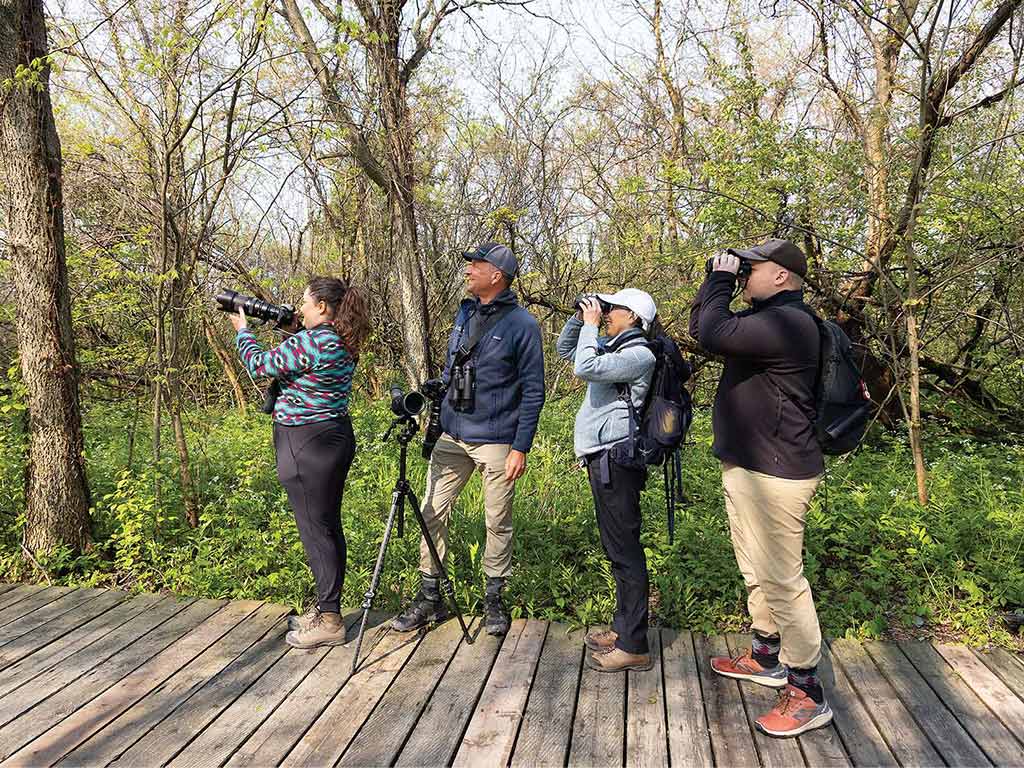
451 465
766 521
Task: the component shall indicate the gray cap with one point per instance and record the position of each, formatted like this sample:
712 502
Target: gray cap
500 256
782 252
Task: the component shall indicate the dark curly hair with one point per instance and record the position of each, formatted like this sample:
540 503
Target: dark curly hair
351 316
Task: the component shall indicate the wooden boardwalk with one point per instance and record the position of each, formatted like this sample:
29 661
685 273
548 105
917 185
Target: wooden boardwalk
93 677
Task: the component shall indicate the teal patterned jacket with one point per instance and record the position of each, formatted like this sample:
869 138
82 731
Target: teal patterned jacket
313 368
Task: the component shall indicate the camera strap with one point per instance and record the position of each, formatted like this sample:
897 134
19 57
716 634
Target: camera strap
465 349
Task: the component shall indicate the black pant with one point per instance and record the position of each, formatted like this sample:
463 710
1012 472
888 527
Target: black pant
312 464
617 502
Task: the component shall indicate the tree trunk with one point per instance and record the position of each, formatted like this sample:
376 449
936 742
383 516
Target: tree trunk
56 492
225 360
407 253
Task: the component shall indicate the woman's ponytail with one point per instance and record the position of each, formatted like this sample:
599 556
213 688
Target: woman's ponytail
351 314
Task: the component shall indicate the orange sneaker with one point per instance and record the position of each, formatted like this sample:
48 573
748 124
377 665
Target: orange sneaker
795 712
744 667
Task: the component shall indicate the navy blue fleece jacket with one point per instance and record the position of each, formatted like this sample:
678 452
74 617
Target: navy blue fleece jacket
509 364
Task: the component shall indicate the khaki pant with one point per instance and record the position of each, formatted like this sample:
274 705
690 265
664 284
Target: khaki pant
766 522
451 465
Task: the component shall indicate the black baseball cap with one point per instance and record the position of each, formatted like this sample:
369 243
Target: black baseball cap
499 255
782 252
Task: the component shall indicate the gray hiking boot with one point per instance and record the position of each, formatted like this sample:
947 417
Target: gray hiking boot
496 618
426 608
324 629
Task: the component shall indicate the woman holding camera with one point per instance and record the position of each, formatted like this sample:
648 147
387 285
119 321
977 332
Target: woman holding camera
615 366
313 439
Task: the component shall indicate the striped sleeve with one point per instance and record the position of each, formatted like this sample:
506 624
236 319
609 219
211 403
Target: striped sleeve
295 355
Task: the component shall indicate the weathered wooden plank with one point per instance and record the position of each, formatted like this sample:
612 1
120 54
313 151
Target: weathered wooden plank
599 728
139 724
1008 667
53 610
382 735
275 737
61 688
991 735
37 599
244 715
48 639
328 737
546 732
6 587
23 664
1003 702
944 732
18 593
175 732
903 736
133 680
759 700
439 730
860 738
491 733
689 740
646 740
731 739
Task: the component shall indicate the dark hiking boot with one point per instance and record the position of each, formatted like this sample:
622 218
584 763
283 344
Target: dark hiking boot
323 629
299 623
426 608
496 618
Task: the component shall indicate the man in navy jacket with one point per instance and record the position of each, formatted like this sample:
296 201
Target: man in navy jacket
495 392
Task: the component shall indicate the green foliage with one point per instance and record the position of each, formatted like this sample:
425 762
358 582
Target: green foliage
878 561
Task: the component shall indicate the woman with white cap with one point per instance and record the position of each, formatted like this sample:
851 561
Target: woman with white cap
615 365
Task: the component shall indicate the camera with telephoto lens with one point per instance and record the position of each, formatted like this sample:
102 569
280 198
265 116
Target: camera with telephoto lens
281 315
605 306
403 404
743 271
434 390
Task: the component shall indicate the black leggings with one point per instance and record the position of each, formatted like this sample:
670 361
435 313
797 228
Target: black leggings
312 464
617 503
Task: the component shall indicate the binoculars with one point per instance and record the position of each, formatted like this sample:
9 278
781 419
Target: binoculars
743 271
605 306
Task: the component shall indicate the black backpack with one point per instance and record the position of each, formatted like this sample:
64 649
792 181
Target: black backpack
667 411
658 431
841 399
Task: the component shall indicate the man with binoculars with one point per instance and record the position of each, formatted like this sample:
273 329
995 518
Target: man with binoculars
494 382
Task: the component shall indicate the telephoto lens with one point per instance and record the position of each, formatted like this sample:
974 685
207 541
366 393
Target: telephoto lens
258 309
403 404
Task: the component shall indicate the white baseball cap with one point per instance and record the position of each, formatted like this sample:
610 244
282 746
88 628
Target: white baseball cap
636 301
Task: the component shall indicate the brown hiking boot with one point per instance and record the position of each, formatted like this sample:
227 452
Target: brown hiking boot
324 629
601 640
299 623
744 667
618 660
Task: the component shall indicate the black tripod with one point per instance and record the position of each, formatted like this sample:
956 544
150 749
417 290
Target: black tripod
401 494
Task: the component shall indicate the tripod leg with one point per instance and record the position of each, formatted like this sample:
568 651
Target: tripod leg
446 585
396 504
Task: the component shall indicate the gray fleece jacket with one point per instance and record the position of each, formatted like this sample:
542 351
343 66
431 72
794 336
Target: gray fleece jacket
603 419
